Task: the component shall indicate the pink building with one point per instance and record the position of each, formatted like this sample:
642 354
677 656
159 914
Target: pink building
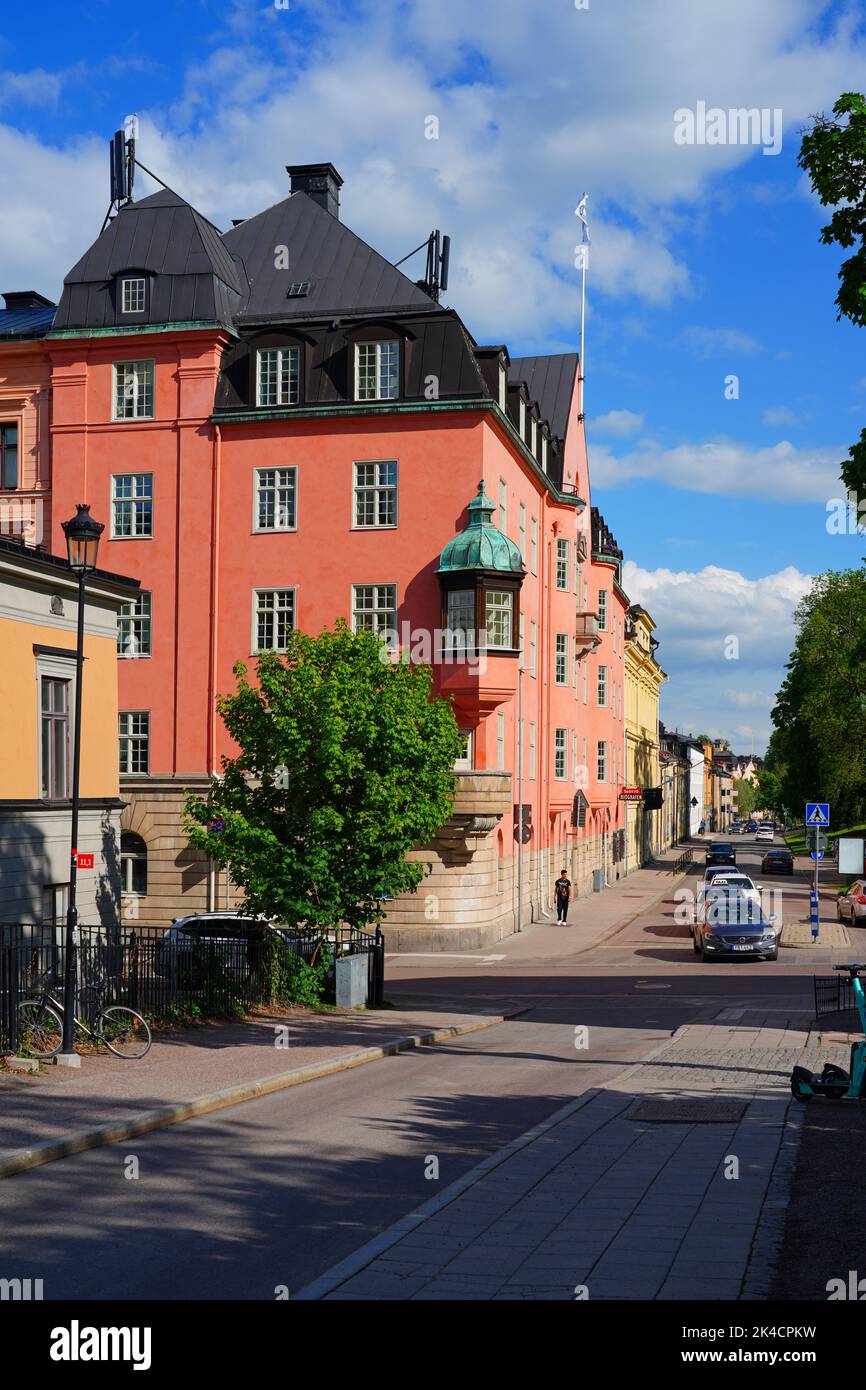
274 447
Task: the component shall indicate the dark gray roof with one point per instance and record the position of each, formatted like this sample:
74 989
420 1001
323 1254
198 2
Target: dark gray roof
194 276
551 383
346 275
26 323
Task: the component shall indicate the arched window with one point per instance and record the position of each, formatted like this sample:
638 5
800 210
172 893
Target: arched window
133 863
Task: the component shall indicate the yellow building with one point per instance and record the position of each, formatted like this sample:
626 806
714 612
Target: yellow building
38 622
643 681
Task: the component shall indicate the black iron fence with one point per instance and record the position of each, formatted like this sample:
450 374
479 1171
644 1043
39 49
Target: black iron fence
157 973
682 862
10 941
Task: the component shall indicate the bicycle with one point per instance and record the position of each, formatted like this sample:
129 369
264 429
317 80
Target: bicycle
40 1026
834 1082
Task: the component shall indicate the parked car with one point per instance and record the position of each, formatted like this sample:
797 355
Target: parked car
226 935
851 905
751 826
734 927
720 871
721 852
765 832
777 861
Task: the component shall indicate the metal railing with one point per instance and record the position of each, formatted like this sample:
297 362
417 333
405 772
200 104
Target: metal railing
10 942
156 974
681 863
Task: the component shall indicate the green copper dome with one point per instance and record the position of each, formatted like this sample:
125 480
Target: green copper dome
482 546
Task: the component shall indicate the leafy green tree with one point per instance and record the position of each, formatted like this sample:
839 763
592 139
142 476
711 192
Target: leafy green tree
833 154
744 793
819 744
345 763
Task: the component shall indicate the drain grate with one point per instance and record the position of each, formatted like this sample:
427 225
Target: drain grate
689 1112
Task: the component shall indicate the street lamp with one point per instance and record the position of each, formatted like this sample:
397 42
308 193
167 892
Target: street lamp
82 546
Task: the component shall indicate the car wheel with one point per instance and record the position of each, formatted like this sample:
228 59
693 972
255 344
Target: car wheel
695 947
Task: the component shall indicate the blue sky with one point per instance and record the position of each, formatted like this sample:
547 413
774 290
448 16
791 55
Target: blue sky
705 260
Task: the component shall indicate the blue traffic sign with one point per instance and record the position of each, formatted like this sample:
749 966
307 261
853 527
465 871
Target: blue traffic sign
816 853
818 813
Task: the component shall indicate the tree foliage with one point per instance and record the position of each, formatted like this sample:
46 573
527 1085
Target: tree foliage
818 748
345 763
744 794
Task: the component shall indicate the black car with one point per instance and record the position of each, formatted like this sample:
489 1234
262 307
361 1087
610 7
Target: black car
777 861
736 928
721 852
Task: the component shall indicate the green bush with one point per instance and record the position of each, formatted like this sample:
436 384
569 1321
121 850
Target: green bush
293 981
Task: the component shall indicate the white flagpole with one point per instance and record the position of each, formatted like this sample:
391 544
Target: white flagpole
584 243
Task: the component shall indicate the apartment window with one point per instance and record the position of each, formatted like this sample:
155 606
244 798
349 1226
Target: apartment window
133 626
461 611
533 544
133 390
522 533
55 901
533 645
131 506
273 619
562 565
132 295
376 494
374 608
377 371
499 618
464 760
8 455
602 686
601 761
574 763
279 376
532 752
583 755
55 738
134 730
275 499
585 681
500 742
602 610
133 863
521 621
561 659
503 506
560 754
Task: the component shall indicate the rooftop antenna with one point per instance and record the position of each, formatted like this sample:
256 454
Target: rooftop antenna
438 259
121 156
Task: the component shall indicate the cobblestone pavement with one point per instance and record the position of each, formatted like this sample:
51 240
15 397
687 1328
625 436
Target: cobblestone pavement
596 1204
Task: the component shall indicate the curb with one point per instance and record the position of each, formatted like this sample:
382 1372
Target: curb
644 907
359 1259
79 1141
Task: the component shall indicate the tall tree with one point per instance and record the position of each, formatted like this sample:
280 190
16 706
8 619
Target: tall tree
345 764
833 154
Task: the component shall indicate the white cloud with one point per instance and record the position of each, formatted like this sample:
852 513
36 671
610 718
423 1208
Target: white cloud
780 415
620 423
710 342
724 640
780 472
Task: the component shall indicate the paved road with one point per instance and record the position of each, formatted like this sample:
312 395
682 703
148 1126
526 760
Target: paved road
276 1191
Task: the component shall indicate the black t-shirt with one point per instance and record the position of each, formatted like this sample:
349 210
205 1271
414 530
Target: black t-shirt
563 887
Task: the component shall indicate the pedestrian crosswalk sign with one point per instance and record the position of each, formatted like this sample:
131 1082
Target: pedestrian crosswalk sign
817 813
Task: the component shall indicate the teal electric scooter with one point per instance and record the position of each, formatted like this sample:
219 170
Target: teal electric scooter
832 996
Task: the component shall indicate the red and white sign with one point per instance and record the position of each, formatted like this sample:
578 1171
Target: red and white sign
85 861
631 794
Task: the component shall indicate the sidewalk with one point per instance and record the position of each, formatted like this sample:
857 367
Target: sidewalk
186 1067
624 1194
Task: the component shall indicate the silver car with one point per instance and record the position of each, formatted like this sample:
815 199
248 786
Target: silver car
851 905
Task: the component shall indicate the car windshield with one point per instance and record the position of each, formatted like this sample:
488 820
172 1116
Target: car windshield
725 883
722 847
734 909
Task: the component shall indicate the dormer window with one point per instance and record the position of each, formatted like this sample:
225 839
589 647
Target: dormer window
278 372
533 429
503 385
522 418
132 295
377 371
544 450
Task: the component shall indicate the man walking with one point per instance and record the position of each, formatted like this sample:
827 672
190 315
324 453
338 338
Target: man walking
562 889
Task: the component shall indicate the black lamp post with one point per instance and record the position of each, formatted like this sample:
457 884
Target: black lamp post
82 546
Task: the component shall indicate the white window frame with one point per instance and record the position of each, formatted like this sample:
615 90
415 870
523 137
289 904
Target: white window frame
602 691
533 544
378 610
140 390
465 761
521 624
378 490
560 754
533 646
560 660
602 610
601 761
377 394
254 631
291 472
522 531
140 611
287 392
134 498
133 286
563 564
130 738
499 609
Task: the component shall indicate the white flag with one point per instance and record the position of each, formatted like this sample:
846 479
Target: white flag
580 211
